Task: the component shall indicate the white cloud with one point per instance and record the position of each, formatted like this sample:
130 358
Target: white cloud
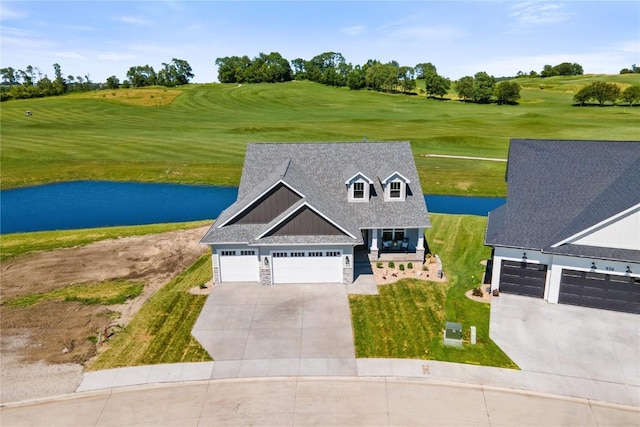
68 55
534 13
355 30
110 56
82 28
133 20
7 13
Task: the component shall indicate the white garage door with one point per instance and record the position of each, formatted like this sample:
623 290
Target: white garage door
239 265
307 266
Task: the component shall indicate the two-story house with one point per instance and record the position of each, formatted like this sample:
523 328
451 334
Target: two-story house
304 208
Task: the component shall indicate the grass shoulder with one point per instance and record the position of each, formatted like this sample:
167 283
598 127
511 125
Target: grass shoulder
161 331
19 244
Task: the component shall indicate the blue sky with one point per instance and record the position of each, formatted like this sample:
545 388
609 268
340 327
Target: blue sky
460 38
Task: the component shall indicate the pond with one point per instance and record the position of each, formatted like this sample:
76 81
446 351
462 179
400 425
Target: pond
88 204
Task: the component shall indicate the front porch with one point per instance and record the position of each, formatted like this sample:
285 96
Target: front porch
404 244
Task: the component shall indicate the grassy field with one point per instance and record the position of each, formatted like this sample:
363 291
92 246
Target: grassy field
407 318
17 244
198 133
161 331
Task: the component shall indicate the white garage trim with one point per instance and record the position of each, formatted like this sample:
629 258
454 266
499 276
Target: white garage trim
238 265
307 266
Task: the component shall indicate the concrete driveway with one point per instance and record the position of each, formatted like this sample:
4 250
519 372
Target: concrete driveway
566 340
290 323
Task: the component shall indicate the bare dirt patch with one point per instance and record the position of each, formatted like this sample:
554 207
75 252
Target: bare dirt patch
57 332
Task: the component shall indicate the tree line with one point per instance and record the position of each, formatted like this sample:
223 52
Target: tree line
32 83
602 92
331 69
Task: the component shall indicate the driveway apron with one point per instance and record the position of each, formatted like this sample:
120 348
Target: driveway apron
294 324
568 340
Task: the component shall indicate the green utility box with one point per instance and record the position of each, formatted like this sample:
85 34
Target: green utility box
453 334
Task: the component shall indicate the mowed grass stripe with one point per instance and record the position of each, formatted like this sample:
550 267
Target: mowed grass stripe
211 124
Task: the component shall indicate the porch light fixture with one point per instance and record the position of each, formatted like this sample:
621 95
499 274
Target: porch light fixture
628 270
524 256
266 262
346 261
593 265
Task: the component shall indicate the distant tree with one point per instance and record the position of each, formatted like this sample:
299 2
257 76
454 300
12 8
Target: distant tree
181 71
602 92
547 71
9 76
422 69
464 88
126 84
436 85
233 69
483 85
407 82
356 79
113 82
299 70
563 69
59 84
605 92
631 94
141 76
582 96
507 92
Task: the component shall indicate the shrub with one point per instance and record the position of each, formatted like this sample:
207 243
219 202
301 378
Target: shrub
401 267
379 264
477 292
392 264
410 265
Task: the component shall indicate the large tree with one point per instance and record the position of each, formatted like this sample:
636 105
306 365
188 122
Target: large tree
483 85
464 88
507 92
602 92
436 85
422 69
141 76
631 94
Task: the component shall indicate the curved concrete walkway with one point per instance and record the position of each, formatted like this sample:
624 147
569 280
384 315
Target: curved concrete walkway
315 401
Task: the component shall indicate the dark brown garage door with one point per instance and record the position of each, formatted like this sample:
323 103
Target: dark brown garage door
523 278
610 292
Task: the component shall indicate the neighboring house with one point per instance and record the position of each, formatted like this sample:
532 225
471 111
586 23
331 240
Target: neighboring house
304 209
569 231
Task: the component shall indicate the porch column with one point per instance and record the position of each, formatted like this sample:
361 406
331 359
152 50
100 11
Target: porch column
373 250
420 244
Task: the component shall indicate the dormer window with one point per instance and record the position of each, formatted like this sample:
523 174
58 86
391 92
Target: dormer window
358 190
395 191
395 187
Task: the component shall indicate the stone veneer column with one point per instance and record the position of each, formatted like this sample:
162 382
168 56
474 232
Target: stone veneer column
374 250
420 245
347 275
265 275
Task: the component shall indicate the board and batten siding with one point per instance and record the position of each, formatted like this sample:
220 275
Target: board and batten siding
268 207
306 222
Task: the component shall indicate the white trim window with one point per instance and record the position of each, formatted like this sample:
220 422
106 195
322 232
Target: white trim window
395 190
358 190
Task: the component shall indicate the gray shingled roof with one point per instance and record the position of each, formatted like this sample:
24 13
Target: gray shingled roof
559 188
318 171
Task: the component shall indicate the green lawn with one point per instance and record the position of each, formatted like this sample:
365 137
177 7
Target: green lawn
161 331
407 319
200 135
